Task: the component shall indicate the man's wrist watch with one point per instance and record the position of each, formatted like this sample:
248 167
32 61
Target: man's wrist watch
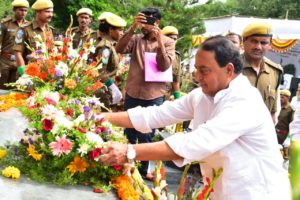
131 154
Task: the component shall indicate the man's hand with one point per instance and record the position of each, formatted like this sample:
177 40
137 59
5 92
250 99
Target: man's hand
116 94
114 154
138 21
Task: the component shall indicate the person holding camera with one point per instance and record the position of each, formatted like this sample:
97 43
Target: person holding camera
140 92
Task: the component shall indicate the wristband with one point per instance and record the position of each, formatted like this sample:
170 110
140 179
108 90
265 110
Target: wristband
21 69
109 82
177 94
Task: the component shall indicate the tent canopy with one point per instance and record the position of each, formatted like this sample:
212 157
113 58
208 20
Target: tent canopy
283 28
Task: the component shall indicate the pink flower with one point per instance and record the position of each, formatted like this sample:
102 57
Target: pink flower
62 145
50 101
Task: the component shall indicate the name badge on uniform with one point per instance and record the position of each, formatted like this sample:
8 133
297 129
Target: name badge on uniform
105 56
19 36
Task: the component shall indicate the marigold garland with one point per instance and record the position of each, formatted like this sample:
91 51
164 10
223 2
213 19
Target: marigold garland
124 188
2 153
12 100
11 172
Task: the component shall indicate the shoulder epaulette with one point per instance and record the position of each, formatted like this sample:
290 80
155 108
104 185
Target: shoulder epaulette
26 24
273 64
6 20
105 43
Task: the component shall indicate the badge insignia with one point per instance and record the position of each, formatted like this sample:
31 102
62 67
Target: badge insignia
19 36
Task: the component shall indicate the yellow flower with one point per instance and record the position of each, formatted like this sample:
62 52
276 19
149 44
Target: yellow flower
11 172
2 153
78 165
124 188
31 151
70 83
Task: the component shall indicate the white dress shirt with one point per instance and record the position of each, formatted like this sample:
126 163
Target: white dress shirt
233 130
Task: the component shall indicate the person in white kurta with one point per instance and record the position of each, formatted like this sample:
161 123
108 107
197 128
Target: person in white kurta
233 130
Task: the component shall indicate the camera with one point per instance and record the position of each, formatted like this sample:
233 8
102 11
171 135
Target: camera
150 20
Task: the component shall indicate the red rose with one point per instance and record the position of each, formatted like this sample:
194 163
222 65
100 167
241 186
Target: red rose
47 125
82 130
95 153
69 112
118 167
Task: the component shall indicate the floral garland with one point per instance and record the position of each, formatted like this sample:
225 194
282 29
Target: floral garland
12 100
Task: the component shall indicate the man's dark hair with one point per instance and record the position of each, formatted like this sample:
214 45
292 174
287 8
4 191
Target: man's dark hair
238 35
225 52
104 27
154 12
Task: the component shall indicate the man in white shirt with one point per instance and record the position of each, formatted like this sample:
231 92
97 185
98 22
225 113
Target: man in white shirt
228 132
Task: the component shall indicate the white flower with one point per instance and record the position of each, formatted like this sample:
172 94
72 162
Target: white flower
93 49
30 101
94 138
106 124
79 119
83 149
61 120
49 112
63 68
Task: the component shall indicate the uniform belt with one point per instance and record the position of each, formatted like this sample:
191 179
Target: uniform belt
284 132
8 55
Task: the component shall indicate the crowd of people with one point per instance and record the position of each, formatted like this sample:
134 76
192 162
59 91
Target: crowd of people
235 81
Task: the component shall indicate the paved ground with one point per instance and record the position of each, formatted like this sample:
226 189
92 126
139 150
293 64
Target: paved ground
24 189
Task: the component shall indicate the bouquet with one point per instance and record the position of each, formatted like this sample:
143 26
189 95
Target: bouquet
66 132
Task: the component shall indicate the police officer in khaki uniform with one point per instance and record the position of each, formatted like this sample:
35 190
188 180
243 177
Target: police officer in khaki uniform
172 33
263 74
83 32
285 117
43 15
8 29
111 27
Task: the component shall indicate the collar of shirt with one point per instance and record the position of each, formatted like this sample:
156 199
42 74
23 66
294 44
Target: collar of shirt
35 25
264 68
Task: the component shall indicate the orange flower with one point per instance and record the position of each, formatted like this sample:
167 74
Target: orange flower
97 85
124 188
78 165
31 151
43 75
70 83
51 67
93 73
33 69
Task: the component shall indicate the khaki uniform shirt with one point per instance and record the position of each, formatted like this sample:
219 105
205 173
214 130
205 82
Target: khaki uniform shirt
8 29
285 117
25 35
108 57
267 81
176 68
80 38
137 45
